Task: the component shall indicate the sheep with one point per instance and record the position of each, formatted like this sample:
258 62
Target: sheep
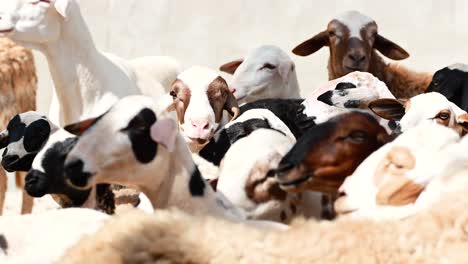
199 97
245 124
247 178
322 158
140 143
407 175
31 137
423 108
87 81
266 72
437 235
18 87
452 82
353 38
44 237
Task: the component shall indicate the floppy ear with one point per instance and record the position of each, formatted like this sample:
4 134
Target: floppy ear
399 191
4 139
231 67
79 128
232 106
62 7
391 109
462 120
389 48
312 45
285 68
165 132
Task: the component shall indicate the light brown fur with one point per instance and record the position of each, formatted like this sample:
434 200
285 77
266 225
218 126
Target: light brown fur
18 85
435 236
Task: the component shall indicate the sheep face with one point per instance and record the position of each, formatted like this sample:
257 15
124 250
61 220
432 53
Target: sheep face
452 82
24 137
390 181
328 152
119 143
33 21
352 38
199 97
424 108
264 73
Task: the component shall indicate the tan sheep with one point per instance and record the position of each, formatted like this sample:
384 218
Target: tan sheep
438 235
18 85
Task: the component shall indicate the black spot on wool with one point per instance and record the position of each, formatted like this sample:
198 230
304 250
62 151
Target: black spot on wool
345 85
138 130
352 103
3 243
196 184
290 111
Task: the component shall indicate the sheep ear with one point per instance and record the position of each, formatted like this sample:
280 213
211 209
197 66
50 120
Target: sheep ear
79 128
231 67
285 68
391 109
4 139
390 49
164 132
232 106
462 120
62 7
312 45
400 191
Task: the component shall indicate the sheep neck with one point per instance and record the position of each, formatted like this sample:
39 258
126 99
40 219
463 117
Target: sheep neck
174 190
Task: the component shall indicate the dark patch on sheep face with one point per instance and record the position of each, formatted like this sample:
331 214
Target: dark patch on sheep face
3 244
74 171
290 111
352 103
392 124
138 131
52 180
453 84
105 198
20 154
196 184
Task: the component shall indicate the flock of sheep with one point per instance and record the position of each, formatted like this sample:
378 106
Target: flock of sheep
244 166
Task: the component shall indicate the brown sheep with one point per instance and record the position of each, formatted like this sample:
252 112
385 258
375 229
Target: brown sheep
434 236
353 39
18 85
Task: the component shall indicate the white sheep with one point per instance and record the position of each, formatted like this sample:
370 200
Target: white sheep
140 144
87 81
267 72
407 175
423 108
44 237
353 39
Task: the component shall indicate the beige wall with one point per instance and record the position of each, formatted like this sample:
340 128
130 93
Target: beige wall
211 32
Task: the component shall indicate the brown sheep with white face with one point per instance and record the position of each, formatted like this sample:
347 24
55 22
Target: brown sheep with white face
353 39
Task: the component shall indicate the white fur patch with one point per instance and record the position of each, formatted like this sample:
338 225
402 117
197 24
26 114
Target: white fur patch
458 66
355 21
198 78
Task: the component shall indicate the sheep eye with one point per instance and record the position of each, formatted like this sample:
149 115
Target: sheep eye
358 136
268 66
271 173
443 116
331 33
173 94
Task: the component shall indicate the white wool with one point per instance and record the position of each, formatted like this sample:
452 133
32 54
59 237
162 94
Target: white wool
355 21
459 66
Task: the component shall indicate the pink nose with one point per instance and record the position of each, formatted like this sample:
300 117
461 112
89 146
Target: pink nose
200 124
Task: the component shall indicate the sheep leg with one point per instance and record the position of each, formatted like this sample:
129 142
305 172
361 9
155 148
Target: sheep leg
27 201
3 188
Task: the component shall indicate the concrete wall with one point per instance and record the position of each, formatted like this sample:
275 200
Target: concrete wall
211 32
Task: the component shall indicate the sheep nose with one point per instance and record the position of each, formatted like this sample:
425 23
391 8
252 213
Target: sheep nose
200 124
74 171
357 57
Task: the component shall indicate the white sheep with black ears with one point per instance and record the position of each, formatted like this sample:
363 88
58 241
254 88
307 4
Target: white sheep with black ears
266 72
87 81
147 152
